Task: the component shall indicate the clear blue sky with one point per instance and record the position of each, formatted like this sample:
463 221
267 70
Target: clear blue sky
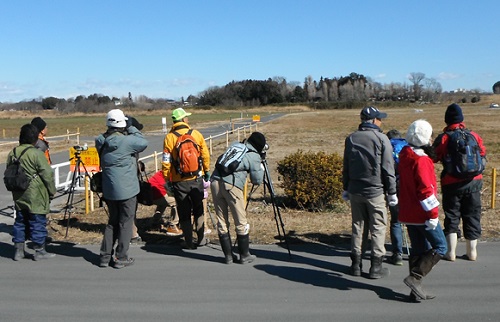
171 49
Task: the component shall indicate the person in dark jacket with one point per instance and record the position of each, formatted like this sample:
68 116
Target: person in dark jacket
120 185
33 204
368 176
419 207
227 194
461 197
42 142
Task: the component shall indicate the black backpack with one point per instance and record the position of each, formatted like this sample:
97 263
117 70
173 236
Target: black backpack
464 155
14 177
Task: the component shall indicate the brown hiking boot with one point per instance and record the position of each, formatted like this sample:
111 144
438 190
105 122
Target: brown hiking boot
173 230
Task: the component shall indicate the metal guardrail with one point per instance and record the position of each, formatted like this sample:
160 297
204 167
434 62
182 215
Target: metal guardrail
66 136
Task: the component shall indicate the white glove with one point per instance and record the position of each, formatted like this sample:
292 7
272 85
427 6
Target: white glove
345 195
431 223
393 200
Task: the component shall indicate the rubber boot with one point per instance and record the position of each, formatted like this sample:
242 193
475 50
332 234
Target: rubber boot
243 249
376 270
20 253
451 239
187 231
356 266
41 253
420 266
471 249
225 244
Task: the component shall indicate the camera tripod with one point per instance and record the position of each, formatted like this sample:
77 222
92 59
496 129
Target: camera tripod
76 180
280 226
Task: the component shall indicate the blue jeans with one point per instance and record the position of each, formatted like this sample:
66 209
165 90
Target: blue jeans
29 226
396 231
423 240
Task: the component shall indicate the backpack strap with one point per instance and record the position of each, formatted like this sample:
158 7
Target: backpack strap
34 176
182 127
20 155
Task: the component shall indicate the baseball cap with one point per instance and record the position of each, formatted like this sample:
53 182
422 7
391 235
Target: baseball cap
178 114
370 113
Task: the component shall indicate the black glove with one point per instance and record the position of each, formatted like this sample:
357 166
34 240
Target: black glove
132 121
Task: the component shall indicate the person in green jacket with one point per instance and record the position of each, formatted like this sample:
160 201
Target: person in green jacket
33 204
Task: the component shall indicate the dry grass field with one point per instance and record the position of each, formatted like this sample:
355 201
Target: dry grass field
315 130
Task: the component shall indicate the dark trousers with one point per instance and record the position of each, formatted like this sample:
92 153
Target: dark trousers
463 202
27 224
189 199
119 228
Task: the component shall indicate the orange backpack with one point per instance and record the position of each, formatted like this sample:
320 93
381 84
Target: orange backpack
188 162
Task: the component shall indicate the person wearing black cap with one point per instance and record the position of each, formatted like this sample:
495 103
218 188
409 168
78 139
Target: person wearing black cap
461 197
227 194
368 176
42 143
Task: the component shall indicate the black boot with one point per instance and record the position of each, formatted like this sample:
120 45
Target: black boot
376 270
225 244
420 266
19 254
243 248
187 231
41 253
356 266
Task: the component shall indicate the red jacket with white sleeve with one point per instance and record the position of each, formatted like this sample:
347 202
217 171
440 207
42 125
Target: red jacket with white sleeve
417 187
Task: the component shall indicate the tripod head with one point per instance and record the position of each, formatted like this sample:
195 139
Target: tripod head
78 151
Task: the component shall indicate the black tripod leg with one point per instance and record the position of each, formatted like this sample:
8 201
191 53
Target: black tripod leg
71 194
276 210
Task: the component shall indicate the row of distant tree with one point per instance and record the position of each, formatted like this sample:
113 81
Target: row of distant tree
328 91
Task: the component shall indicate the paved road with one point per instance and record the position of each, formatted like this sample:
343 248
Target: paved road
169 284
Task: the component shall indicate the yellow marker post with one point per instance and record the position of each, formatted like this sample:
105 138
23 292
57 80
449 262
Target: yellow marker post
493 187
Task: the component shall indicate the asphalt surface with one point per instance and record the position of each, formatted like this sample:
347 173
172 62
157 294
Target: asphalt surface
171 284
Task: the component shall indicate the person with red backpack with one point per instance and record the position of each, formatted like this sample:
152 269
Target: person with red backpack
461 195
185 164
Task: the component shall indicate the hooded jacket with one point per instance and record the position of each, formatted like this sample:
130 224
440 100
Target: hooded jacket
35 199
119 163
417 187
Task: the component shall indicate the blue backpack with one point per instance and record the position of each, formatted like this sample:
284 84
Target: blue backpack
397 145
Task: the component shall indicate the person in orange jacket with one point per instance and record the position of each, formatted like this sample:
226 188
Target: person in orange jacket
186 188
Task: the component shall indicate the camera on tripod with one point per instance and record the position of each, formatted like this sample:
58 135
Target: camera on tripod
80 148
